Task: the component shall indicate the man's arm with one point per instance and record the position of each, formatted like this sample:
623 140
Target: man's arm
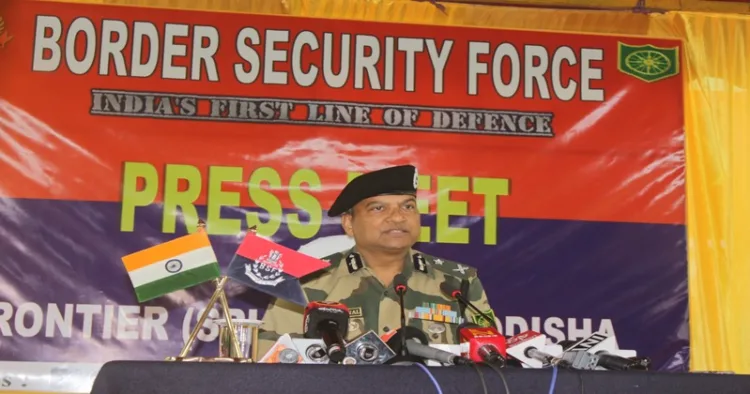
281 317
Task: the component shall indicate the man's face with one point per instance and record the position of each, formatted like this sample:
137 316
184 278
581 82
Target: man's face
389 222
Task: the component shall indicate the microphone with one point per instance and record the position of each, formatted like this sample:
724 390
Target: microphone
399 285
605 347
615 363
526 348
485 344
418 348
431 353
329 321
640 363
455 293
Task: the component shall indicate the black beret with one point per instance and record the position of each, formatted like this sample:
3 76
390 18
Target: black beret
391 180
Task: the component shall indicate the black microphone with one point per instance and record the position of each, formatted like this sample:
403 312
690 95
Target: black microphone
455 293
399 284
329 321
605 348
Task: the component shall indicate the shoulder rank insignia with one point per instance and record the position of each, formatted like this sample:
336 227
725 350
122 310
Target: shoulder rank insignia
461 269
448 267
419 263
354 262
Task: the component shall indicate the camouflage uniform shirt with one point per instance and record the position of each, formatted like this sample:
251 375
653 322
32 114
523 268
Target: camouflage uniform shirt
374 306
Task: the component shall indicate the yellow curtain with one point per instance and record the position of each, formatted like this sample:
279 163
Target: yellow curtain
717 104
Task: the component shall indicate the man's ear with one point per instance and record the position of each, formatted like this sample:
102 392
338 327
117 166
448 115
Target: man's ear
346 224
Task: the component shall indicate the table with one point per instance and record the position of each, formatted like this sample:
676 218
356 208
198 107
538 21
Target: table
147 377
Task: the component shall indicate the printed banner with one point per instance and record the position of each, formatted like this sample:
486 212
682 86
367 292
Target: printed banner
553 163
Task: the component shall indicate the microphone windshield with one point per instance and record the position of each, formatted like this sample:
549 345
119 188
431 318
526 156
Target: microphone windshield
399 283
317 313
450 289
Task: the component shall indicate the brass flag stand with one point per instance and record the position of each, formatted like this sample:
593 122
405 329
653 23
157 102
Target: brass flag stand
220 296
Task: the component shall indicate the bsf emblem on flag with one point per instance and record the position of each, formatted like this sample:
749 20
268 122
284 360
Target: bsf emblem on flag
267 269
257 264
647 62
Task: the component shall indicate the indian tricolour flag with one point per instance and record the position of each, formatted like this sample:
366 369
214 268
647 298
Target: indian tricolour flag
171 266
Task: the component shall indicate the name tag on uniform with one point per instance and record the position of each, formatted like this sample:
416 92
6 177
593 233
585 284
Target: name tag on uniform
355 312
436 312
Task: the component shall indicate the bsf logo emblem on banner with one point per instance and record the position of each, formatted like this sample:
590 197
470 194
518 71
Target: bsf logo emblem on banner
5 37
647 62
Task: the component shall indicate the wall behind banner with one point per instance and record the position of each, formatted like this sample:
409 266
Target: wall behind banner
717 100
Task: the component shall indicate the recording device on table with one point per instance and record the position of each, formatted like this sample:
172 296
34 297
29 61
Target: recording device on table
328 321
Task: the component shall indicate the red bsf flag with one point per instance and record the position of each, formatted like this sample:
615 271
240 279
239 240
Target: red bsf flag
272 268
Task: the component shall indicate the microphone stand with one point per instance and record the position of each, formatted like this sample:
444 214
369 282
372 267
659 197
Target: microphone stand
403 322
404 357
462 306
466 302
464 290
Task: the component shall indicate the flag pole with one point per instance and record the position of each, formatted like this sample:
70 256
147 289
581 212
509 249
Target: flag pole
220 295
224 304
228 319
203 316
254 348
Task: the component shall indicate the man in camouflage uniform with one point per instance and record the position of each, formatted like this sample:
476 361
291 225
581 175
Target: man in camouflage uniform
379 210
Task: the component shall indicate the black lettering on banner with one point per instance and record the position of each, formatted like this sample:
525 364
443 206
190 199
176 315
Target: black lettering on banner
162 105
